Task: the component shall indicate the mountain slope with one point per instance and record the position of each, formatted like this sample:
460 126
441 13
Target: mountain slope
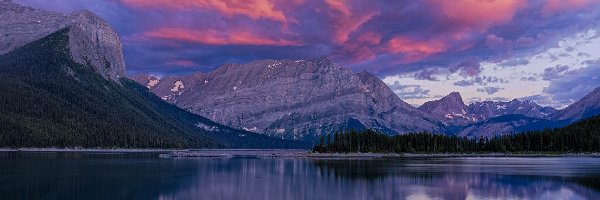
298 99
227 137
52 101
586 107
92 40
507 124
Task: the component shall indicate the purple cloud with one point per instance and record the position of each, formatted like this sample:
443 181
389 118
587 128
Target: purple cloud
574 84
489 90
382 37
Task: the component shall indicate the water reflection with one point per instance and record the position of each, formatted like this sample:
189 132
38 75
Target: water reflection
144 176
467 178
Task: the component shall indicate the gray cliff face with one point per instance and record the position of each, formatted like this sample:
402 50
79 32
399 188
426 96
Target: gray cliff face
293 99
92 40
450 109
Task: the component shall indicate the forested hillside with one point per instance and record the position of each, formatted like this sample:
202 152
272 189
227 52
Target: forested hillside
583 136
48 100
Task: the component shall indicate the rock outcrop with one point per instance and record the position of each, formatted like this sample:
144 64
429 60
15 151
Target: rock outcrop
92 40
298 99
450 109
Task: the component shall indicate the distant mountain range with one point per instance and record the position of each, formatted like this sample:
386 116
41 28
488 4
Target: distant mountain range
491 118
64 86
301 99
453 112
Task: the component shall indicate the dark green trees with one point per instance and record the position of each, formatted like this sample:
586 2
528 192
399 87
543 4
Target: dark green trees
583 136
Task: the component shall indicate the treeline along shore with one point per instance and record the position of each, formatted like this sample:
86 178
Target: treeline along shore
581 137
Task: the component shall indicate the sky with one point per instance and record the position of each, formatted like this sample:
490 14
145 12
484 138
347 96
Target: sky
547 51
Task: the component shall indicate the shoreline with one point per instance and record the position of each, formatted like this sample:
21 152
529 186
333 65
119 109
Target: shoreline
83 150
306 154
289 153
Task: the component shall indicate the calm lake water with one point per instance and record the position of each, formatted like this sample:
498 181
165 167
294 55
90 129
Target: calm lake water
146 176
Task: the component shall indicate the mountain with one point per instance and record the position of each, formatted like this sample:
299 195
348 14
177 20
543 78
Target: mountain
92 41
488 118
586 107
52 99
453 112
297 99
450 109
488 109
506 124
533 117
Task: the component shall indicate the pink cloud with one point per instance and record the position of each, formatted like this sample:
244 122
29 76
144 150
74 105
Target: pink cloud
344 20
214 37
413 50
477 14
255 9
361 49
183 63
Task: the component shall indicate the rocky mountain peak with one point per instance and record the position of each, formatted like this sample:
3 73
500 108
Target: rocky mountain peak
449 103
92 41
323 60
450 109
455 98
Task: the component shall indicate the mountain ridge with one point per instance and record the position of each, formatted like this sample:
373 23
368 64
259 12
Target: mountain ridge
586 107
292 98
455 116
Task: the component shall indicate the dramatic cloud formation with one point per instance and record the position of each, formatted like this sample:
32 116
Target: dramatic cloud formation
256 9
211 37
457 45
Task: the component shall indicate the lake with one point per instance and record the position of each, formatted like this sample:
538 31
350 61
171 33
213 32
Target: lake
76 175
